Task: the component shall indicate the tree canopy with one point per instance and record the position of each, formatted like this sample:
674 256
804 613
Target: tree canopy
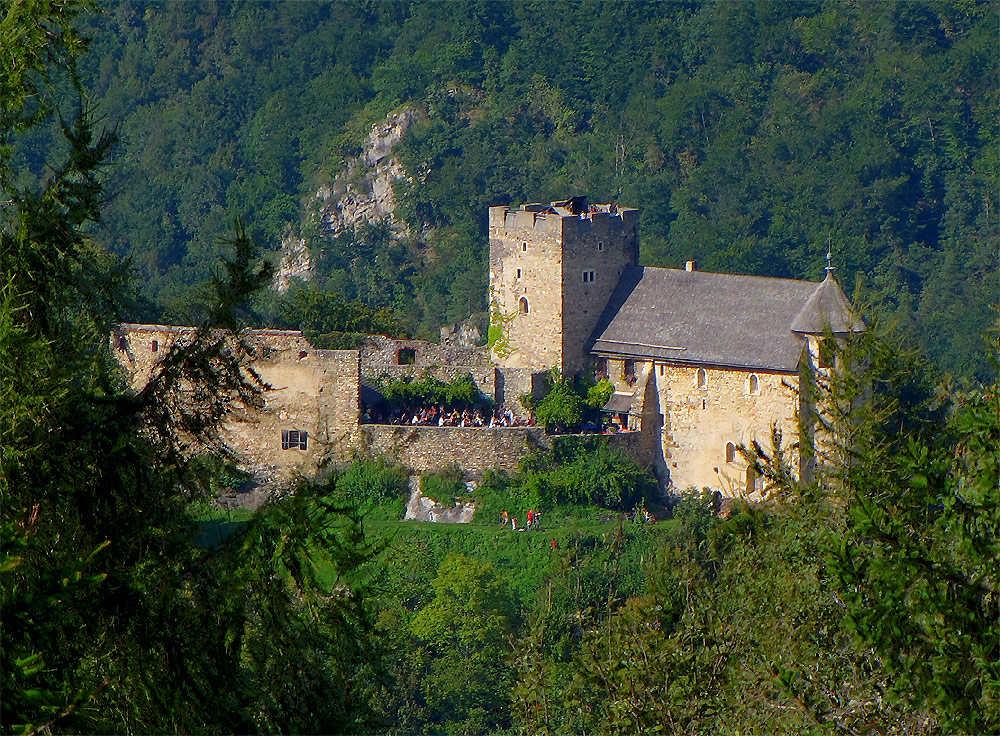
751 135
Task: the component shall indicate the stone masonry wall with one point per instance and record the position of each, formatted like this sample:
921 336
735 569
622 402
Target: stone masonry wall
312 391
529 243
697 423
380 356
542 257
603 243
474 449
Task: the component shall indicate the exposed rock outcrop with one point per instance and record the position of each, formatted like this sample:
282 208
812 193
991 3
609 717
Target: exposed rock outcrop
363 193
423 508
295 262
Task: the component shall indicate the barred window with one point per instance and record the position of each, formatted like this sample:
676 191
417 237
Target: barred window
294 439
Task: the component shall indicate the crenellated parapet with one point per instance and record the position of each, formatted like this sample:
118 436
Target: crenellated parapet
552 269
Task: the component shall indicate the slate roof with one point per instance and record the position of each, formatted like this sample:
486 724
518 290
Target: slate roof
619 403
696 317
827 309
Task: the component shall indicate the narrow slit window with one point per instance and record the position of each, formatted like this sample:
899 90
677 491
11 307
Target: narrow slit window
519 273
600 246
155 347
524 247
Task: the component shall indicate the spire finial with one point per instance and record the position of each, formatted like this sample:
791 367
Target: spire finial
829 256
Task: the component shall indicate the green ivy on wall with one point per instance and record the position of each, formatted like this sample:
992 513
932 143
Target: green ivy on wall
496 336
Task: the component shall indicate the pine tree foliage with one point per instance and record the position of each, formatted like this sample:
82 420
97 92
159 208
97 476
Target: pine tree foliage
111 613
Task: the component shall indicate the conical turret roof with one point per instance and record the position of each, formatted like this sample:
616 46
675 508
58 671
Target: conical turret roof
827 310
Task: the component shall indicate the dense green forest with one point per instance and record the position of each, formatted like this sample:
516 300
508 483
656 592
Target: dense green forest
750 134
864 602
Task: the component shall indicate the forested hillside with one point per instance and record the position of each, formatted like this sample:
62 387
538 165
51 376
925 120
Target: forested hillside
750 134
863 602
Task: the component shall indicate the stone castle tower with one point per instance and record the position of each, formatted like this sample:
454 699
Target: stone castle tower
553 268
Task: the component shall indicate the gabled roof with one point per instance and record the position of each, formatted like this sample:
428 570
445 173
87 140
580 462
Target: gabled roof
697 317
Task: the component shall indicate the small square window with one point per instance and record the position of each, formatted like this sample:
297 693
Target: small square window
294 439
406 356
588 277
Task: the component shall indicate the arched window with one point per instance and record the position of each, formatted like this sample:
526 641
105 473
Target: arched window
522 305
754 384
702 378
730 452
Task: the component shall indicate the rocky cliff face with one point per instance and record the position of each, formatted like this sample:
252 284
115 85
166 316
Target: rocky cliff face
296 263
362 193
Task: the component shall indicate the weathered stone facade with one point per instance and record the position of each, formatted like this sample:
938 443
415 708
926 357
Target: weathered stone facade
701 423
313 393
702 363
552 271
474 449
394 357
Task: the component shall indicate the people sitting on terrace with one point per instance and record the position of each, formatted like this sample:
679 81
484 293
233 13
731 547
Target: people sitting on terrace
441 416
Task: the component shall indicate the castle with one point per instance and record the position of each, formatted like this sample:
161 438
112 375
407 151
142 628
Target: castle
701 362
